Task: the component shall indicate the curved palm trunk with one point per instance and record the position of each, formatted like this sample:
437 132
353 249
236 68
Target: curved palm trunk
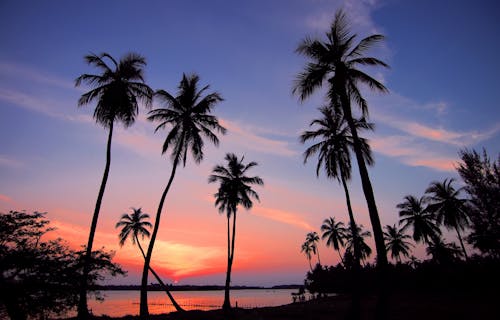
367 186
144 312
83 312
227 302
340 256
317 252
165 288
462 243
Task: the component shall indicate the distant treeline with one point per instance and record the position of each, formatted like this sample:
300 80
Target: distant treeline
157 287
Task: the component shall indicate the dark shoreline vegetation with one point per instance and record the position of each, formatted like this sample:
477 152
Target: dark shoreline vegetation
42 277
157 287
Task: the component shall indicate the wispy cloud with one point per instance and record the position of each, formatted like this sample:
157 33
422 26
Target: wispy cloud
291 218
7 161
253 138
5 198
30 74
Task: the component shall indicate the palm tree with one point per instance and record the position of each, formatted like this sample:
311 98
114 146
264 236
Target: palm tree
450 210
188 116
359 240
442 252
133 225
117 90
313 239
334 152
413 213
396 242
334 233
334 61
307 249
234 190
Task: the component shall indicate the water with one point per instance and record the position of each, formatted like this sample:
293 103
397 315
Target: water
122 303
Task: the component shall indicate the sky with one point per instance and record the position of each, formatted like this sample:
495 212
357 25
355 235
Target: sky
443 97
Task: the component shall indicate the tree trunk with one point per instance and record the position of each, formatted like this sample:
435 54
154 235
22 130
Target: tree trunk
227 301
83 312
144 312
317 252
461 243
227 304
352 224
164 286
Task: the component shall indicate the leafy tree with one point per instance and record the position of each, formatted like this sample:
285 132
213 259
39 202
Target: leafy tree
334 233
334 152
136 224
482 184
396 242
39 277
449 208
188 115
335 61
413 213
117 91
235 189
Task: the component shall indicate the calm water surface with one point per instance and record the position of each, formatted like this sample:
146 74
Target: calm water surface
121 303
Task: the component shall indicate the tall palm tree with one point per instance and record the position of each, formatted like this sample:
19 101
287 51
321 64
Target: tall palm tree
396 242
135 225
442 252
413 213
188 115
359 240
334 233
333 149
307 249
448 207
117 91
313 239
234 190
335 61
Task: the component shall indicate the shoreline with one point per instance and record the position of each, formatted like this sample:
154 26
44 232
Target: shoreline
401 305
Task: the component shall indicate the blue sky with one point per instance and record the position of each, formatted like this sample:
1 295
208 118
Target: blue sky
443 97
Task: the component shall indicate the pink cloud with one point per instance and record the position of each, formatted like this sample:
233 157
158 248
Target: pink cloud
287 217
5 198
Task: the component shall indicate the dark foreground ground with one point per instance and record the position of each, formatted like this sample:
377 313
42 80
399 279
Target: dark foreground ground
408 306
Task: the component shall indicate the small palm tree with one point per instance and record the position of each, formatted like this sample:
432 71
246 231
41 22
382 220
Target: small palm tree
442 252
307 250
448 207
135 225
359 240
413 213
313 239
234 190
334 233
396 242
188 115
117 90
335 61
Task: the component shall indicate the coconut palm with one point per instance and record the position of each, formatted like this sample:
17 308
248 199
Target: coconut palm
442 252
234 190
307 249
334 61
413 213
334 233
117 91
188 115
135 225
448 207
359 240
396 242
333 151
313 239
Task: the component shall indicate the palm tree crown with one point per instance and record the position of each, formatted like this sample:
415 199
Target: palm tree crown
133 225
188 115
333 232
413 213
359 240
118 89
396 242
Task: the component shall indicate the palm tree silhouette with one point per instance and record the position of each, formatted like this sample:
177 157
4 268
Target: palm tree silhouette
334 61
442 252
359 240
313 239
117 91
449 209
188 116
334 233
234 190
133 225
307 249
396 242
413 213
334 152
